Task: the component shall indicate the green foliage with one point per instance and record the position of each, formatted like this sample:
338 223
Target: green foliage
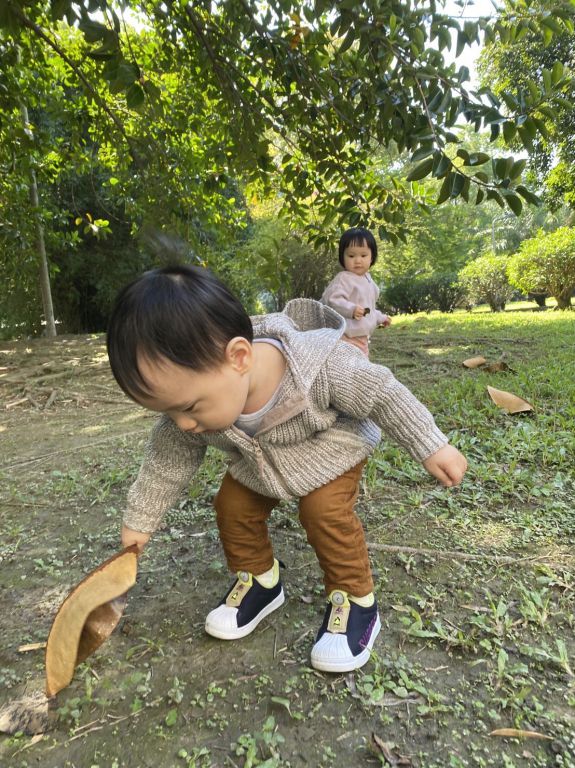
176 119
546 264
407 294
445 292
410 294
276 262
533 67
296 97
485 279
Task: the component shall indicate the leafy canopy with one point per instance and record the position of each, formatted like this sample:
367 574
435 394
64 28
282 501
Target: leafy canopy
297 95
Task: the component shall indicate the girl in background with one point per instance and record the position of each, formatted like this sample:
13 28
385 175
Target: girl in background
353 292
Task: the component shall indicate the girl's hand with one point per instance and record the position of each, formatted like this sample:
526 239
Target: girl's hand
386 321
358 312
447 464
139 538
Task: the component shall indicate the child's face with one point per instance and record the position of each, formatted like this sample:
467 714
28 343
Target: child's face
357 258
196 401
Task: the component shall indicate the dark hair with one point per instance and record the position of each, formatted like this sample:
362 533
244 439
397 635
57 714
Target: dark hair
357 236
181 313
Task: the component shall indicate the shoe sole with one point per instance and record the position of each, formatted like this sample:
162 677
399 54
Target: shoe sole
348 665
236 634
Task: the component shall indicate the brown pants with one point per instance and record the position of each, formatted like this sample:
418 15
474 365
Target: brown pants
327 514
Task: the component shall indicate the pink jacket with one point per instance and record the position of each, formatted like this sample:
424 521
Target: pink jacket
348 291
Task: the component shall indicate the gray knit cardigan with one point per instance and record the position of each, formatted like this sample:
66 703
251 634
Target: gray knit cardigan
331 406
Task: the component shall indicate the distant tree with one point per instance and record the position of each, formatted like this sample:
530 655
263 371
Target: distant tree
299 95
275 259
485 280
534 65
546 264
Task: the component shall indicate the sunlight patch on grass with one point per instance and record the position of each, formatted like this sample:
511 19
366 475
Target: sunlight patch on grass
492 534
135 416
94 429
436 350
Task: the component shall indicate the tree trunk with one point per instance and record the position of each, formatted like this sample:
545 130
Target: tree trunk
564 298
45 289
41 252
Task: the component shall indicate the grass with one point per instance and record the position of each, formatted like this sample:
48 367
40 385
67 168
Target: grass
468 647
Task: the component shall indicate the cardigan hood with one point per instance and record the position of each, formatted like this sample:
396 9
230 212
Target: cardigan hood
308 331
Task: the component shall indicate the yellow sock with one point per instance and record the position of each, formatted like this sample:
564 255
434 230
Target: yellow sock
271 577
366 602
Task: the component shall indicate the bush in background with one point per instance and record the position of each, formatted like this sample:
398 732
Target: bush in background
485 280
546 264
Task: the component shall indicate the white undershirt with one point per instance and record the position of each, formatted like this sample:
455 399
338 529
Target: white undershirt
250 422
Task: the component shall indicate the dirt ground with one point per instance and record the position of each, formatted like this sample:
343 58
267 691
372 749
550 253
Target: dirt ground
458 658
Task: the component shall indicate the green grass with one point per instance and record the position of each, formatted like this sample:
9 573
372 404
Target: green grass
467 647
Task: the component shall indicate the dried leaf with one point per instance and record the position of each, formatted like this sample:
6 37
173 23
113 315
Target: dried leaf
508 401
386 749
29 714
474 362
307 599
497 367
87 617
514 733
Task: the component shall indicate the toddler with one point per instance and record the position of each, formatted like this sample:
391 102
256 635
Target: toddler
296 411
352 292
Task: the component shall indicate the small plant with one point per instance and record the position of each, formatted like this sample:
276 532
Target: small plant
263 749
534 605
197 758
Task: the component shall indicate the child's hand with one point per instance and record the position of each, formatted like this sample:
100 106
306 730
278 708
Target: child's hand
139 538
358 312
386 321
447 464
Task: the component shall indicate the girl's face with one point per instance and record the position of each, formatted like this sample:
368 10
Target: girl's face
357 258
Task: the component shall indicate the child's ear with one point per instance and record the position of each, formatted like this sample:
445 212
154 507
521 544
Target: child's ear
239 354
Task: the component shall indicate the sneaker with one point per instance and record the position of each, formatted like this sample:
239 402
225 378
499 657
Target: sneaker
346 636
244 606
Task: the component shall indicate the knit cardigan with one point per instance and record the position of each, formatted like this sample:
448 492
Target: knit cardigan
332 403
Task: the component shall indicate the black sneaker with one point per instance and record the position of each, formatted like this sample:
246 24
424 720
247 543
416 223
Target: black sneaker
244 606
346 636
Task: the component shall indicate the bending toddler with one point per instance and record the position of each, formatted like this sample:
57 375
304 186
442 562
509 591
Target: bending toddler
296 410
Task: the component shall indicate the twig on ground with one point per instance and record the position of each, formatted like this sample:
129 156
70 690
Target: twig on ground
74 449
448 554
50 399
14 403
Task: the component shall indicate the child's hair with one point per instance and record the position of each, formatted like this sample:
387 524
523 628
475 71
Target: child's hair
181 313
357 236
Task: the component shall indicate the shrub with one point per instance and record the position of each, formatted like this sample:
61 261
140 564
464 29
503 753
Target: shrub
485 279
546 264
444 292
406 294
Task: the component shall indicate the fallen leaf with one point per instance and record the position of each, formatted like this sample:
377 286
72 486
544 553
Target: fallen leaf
307 599
515 733
87 617
30 714
500 365
474 362
508 401
386 749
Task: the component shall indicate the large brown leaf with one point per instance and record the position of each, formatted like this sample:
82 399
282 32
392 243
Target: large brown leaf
508 401
474 362
87 617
